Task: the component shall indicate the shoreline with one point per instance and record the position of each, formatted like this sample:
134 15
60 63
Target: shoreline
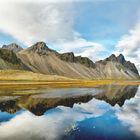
64 83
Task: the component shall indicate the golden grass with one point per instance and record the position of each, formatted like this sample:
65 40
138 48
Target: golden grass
28 80
63 84
20 75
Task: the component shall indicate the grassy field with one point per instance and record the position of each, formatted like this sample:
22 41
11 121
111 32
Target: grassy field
26 79
20 75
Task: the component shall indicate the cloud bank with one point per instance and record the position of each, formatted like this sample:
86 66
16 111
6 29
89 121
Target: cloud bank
129 45
49 21
30 22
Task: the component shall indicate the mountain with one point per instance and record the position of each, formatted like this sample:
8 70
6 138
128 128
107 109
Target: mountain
40 58
42 49
14 47
69 57
9 60
120 60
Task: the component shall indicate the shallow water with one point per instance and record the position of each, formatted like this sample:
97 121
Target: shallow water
104 113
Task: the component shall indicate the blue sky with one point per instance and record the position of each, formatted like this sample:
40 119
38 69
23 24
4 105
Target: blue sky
93 28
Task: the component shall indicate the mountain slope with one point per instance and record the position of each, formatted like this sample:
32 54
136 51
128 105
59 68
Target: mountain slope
39 58
117 67
9 60
121 60
46 61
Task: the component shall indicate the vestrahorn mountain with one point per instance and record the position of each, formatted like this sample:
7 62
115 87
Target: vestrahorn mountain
40 58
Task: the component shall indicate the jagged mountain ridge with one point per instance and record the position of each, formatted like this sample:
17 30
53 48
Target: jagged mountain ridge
120 59
41 59
42 49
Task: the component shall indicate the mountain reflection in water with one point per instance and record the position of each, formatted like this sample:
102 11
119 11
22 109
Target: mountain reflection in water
110 112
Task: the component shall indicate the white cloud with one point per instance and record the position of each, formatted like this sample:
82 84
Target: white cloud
30 22
129 45
82 47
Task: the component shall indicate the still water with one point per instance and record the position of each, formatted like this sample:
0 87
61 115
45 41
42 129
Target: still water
104 113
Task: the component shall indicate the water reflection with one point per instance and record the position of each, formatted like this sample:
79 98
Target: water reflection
116 94
129 114
113 114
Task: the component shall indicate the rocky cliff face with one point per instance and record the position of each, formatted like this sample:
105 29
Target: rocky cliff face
41 59
9 60
131 66
9 56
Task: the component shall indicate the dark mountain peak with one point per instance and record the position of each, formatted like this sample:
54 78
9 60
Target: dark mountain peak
112 55
13 46
69 56
85 61
39 46
120 55
121 59
111 58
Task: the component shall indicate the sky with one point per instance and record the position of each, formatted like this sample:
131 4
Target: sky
92 28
